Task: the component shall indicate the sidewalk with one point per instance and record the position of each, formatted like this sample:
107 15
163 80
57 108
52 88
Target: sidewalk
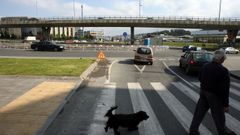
28 105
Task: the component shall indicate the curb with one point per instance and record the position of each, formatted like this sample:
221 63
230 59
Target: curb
53 116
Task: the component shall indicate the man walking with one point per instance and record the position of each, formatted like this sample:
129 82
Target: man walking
214 94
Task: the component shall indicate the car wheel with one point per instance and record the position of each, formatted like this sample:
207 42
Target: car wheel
227 52
188 70
36 49
151 63
236 52
55 49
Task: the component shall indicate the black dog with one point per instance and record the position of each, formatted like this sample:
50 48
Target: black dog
129 121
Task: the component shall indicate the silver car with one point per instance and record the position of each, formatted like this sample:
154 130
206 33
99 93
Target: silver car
143 54
229 50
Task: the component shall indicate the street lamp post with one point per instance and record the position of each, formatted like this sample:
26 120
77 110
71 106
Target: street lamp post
74 8
220 6
36 8
82 19
139 6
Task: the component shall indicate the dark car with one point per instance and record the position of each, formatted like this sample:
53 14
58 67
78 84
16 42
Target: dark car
46 46
189 48
193 60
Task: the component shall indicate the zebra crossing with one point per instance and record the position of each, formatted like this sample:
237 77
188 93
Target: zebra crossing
179 110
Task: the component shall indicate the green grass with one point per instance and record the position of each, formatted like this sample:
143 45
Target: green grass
44 67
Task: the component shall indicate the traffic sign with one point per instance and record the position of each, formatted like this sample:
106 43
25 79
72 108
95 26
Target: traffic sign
125 34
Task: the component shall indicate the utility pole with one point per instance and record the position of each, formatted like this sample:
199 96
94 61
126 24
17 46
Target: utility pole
36 8
220 7
139 6
74 9
82 19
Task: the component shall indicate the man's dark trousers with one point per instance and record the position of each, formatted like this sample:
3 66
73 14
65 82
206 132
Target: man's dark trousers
208 100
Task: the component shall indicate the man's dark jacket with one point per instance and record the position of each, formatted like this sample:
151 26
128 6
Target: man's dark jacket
215 79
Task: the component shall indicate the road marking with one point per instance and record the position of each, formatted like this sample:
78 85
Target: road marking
109 72
140 102
231 122
178 109
140 70
177 75
236 84
232 102
105 102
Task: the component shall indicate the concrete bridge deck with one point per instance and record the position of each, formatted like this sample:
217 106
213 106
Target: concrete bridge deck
163 22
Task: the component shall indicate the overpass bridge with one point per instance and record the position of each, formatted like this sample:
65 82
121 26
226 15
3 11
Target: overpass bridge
232 25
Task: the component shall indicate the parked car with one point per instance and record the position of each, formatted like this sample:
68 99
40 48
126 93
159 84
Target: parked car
229 50
143 54
189 48
46 46
193 60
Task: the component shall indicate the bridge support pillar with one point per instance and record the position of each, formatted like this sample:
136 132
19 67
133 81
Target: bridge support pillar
46 33
232 34
132 35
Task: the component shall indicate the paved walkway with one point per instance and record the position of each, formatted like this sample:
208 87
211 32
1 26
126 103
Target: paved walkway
26 114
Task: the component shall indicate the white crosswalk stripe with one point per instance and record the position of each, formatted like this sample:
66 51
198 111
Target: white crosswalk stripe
231 122
140 102
178 109
232 102
236 84
106 101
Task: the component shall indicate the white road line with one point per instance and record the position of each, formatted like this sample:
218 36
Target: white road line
236 84
105 102
140 103
232 90
177 75
231 122
109 72
137 68
232 102
140 70
178 109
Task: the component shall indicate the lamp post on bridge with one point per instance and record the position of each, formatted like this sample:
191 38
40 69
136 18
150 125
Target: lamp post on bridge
220 6
74 12
139 8
82 19
36 8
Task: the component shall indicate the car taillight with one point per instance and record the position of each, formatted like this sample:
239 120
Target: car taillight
192 62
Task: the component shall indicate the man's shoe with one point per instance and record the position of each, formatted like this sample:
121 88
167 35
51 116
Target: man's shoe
194 133
229 132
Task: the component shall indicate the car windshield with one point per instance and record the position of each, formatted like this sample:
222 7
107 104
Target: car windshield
144 51
203 57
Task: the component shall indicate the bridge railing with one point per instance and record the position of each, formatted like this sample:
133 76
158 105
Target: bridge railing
131 18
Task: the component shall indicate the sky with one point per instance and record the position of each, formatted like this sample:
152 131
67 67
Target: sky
120 8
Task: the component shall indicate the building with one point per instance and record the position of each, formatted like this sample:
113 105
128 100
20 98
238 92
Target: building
62 32
98 35
81 33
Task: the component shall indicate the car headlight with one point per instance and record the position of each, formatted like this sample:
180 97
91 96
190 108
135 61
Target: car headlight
61 46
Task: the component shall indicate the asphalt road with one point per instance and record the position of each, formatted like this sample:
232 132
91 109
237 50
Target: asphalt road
162 90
